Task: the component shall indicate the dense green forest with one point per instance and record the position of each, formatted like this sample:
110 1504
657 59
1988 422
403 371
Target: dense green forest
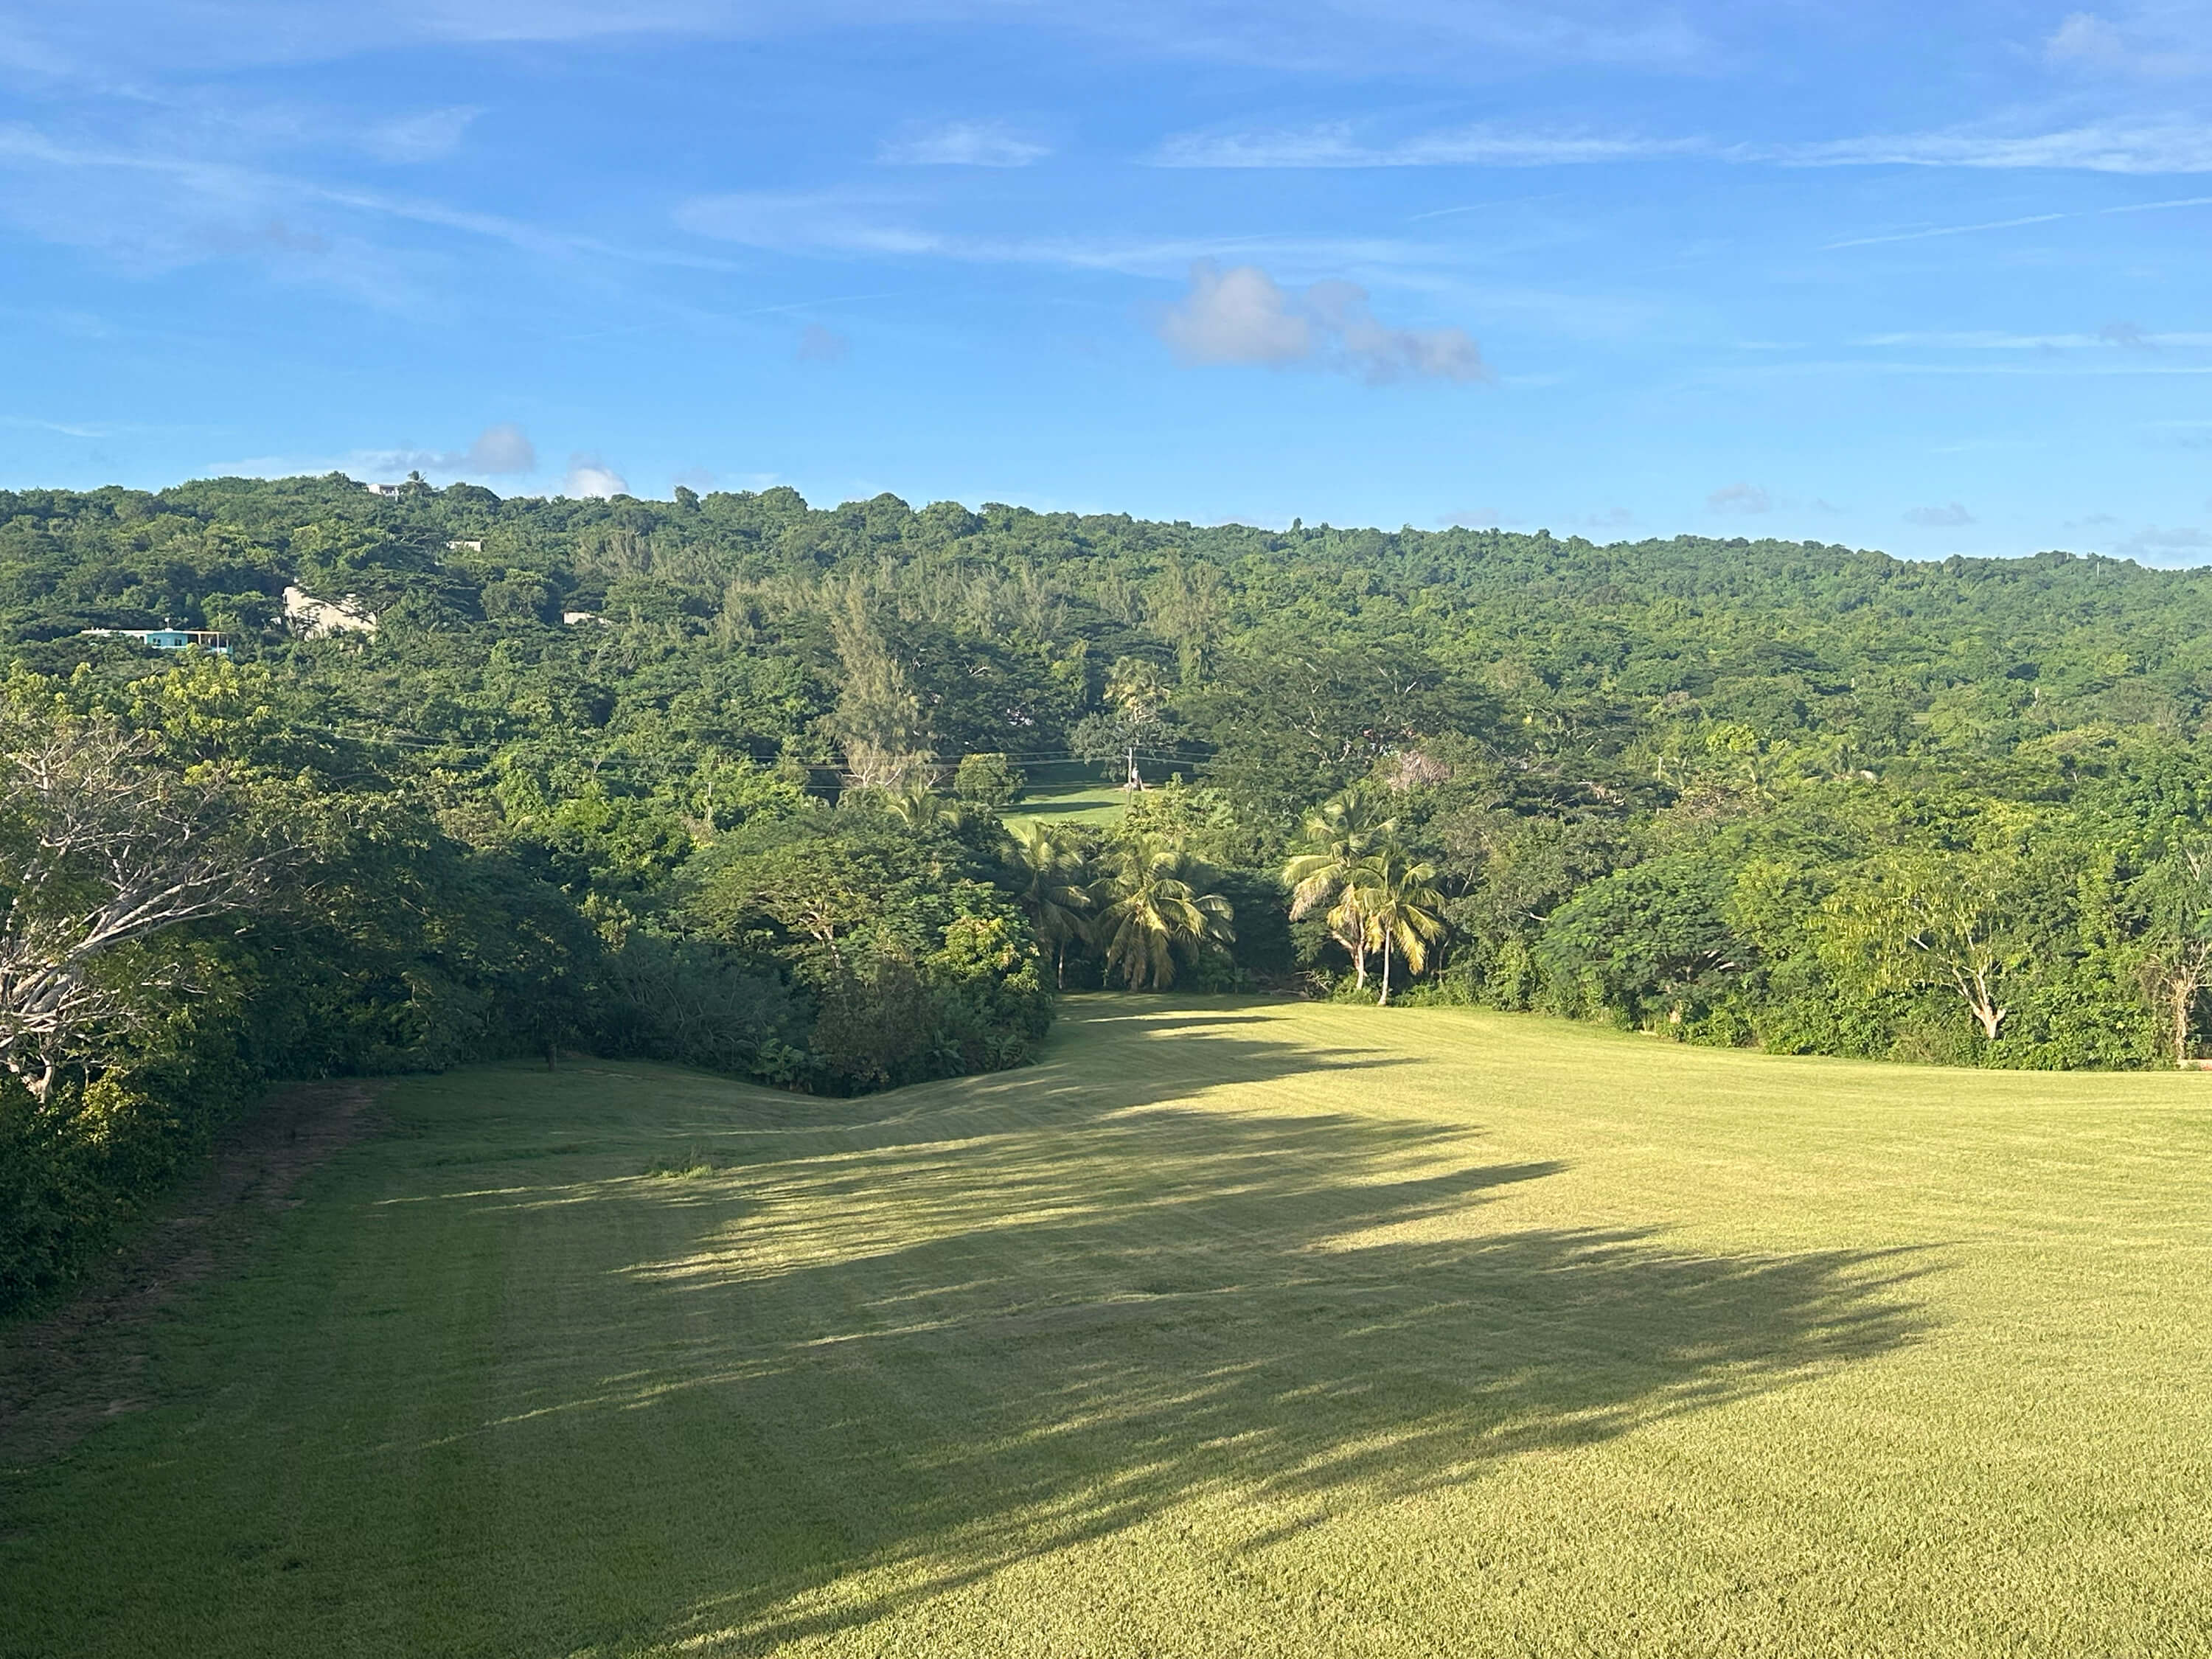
726 780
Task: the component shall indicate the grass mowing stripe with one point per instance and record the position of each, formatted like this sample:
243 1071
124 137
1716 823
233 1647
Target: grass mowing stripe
1229 1327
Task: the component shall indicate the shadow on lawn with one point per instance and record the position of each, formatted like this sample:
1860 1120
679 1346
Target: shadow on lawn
987 1322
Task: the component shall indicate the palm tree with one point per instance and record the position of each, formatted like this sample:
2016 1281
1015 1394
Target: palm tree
1153 910
1337 836
1055 890
1399 899
920 807
915 802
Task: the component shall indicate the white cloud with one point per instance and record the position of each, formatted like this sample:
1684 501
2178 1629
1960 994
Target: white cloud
2142 47
2175 145
64 428
500 448
423 137
1237 316
503 448
1739 498
858 224
1241 315
156 206
1945 230
1380 354
818 344
1327 35
591 479
2111 334
1947 517
1334 145
963 144
828 222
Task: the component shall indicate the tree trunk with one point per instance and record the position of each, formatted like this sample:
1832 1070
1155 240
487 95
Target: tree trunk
2182 986
1383 1001
1980 996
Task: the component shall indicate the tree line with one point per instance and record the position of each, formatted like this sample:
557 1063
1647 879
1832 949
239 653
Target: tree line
728 779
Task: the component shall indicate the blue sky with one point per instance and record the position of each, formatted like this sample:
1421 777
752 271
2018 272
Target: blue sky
1929 279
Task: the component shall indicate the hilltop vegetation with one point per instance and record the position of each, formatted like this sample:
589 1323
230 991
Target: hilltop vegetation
719 779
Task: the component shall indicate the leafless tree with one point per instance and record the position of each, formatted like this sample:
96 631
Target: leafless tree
2176 964
103 846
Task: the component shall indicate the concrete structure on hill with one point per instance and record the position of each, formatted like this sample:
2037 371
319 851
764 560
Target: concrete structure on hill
315 619
167 639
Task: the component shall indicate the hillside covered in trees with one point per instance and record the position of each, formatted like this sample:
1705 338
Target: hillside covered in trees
723 780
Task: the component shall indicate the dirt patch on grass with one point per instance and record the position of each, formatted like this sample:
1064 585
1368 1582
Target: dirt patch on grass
64 1375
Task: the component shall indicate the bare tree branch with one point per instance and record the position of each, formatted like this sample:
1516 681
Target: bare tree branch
101 846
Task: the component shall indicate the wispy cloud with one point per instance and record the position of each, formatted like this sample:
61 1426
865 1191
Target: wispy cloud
1335 144
963 144
1484 207
1739 498
1241 315
2176 146
1949 516
874 224
1455 36
1616 518
428 137
2112 334
818 344
1946 230
1924 232
187 208
2158 544
2147 46
65 429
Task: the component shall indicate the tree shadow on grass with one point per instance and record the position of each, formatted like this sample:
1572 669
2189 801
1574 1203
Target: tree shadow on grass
975 1324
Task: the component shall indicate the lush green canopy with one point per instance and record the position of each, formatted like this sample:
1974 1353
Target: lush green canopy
719 779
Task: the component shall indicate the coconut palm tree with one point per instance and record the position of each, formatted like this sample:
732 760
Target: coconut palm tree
1153 910
915 802
1399 900
1055 890
1338 834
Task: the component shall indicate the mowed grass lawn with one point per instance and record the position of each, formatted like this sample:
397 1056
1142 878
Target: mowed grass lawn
1099 806
1229 1328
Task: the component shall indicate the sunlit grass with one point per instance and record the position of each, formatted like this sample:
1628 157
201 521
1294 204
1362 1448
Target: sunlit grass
1097 805
1229 1328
